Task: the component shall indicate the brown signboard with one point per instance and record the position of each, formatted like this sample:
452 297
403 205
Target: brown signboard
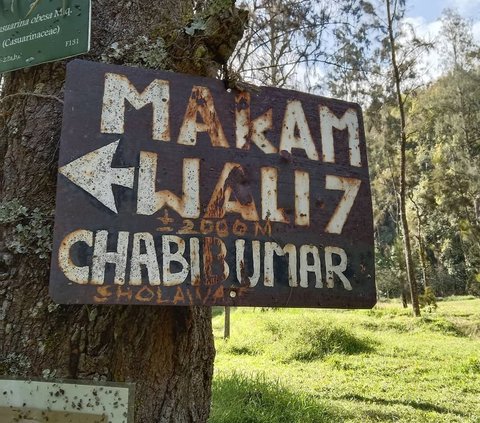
173 190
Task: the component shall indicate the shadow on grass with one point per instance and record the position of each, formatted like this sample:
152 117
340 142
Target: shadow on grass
217 311
417 405
242 399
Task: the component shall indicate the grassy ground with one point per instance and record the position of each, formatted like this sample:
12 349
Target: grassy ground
380 365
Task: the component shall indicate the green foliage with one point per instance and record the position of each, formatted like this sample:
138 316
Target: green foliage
442 146
471 365
441 325
445 121
390 274
443 157
427 300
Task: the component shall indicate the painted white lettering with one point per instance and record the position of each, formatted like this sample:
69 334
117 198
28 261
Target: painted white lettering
149 201
305 267
118 89
272 248
350 186
77 274
248 131
241 267
194 261
295 131
337 269
270 210
201 103
101 257
302 198
148 259
173 278
221 203
348 121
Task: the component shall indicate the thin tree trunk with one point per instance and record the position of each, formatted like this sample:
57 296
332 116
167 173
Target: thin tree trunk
403 164
421 245
167 351
423 262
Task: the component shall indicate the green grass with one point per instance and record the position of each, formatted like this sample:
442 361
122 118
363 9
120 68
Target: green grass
380 365
242 399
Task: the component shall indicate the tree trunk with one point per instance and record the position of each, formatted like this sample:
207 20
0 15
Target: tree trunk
403 164
167 351
421 246
404 296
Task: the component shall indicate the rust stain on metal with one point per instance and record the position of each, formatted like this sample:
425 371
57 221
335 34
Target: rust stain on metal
244 280
214 262
215 207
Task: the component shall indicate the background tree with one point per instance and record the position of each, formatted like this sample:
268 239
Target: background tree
281 35
402 195
447 138
441 155
288 41
386 66
167 351
422 133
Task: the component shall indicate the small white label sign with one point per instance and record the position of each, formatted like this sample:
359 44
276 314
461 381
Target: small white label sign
67 402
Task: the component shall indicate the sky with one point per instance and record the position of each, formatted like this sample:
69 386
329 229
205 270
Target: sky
424 16
430 10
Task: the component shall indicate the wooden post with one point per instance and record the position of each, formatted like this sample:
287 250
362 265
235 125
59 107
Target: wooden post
226 327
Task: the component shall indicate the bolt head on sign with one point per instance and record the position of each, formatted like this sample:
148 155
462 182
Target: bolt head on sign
174 191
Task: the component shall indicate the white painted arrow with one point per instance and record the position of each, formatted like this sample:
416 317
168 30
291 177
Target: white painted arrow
94 173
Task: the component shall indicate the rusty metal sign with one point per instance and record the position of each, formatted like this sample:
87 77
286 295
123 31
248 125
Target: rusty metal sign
173 190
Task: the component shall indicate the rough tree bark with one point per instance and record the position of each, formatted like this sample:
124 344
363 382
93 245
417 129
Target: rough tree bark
167 351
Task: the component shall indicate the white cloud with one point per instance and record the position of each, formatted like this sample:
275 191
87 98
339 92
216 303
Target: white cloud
476 31
431 65
424 28
466 8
